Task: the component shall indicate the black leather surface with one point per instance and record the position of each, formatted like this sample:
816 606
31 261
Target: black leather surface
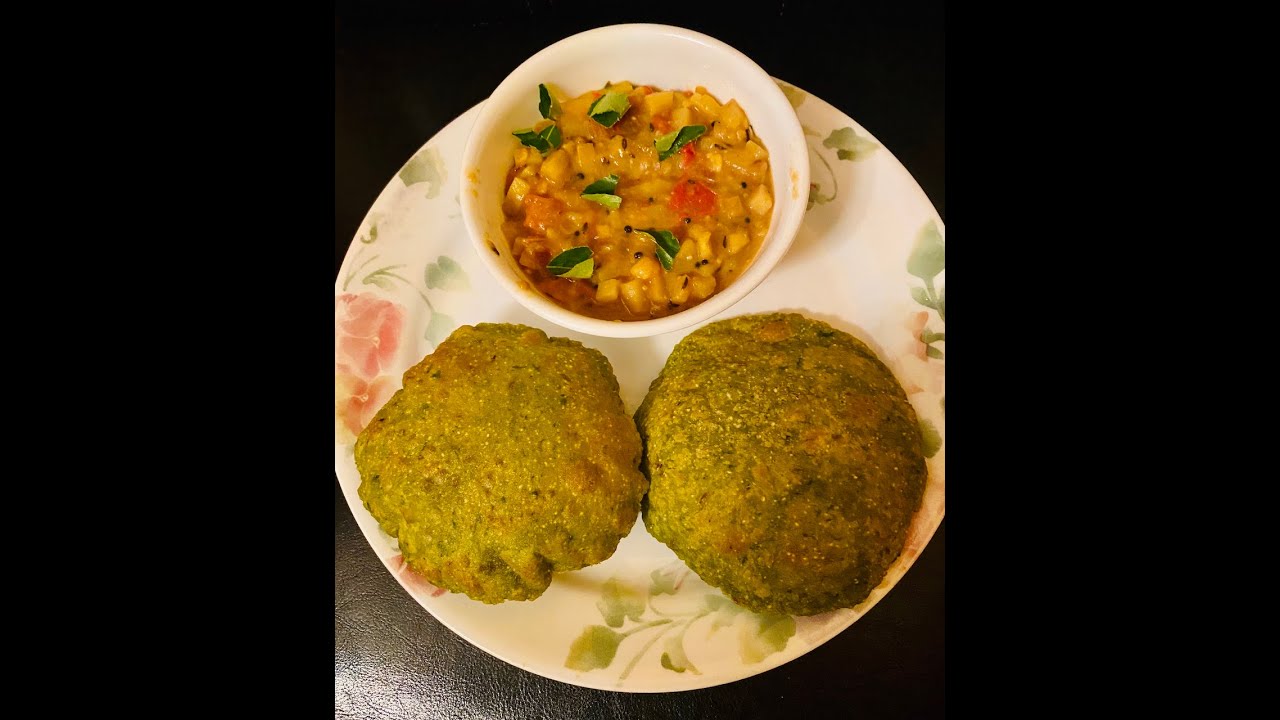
402 72
394 660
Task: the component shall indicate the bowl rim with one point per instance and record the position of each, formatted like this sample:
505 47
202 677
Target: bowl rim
774 247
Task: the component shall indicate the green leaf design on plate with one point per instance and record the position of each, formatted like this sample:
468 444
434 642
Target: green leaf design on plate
618 602
446 274
849 145
930 440
821 176
795 95
595 648
933 352
928 257
928 336
726 611
427 167
673 656
942 403
942 301
663 582
439 327
765 635
919 295
381 281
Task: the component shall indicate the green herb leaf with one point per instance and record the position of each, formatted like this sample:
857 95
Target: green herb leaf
548 106
534 140
613 202
605 184
544 142
667 244
575 262
609 108
551 134
601 191
671 143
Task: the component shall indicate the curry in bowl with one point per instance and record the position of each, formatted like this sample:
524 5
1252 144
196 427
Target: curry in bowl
632 203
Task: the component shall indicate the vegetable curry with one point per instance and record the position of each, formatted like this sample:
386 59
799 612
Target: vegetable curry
631 203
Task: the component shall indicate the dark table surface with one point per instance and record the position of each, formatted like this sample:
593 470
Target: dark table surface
402 72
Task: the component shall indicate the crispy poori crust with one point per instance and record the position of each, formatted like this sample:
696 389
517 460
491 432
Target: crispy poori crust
785 462
506 456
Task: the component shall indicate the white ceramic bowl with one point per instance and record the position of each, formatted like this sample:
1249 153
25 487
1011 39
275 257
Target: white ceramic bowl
667 57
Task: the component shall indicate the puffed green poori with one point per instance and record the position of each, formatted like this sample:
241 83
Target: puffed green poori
507 456
784 461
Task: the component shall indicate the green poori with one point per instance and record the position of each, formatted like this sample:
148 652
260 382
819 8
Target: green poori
784 461
507 456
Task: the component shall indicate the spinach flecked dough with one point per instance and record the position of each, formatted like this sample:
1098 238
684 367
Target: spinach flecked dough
784 460
507 456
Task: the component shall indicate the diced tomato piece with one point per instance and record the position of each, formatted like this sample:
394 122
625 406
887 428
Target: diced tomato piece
661 124
691 198
541 212
688 156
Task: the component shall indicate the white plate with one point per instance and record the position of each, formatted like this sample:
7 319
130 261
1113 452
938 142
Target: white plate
868 260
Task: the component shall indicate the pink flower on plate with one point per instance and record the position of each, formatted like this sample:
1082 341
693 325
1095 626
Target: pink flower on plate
356 401
366 337
916 323
915 371
367 333
413 579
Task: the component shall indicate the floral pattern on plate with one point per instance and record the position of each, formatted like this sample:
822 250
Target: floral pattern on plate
869 260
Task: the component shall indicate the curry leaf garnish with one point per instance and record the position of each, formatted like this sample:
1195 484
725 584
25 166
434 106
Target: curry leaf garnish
532 139
609 108
668 144
576 262
551 134
667 244
601 191
544 142
548 106
613 202
606 184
